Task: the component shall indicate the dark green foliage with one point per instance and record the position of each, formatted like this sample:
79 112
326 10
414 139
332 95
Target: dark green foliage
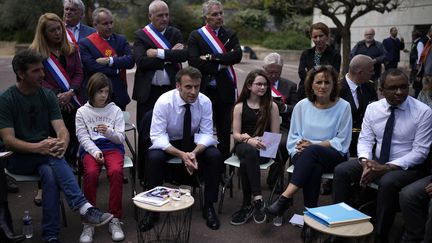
18 19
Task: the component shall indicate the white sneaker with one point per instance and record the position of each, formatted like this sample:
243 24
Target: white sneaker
116 230
87 234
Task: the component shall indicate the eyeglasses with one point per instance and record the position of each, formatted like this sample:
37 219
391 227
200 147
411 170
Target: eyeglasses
260 84
402 88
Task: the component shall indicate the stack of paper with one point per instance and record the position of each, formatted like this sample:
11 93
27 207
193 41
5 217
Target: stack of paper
157 196
336 215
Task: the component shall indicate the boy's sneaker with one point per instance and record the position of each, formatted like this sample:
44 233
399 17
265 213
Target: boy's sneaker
115 229
87 234
259 215
96 217
242 216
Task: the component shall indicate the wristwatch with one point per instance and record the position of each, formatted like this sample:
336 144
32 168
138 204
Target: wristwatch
208 57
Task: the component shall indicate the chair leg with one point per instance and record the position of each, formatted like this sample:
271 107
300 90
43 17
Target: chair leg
222 195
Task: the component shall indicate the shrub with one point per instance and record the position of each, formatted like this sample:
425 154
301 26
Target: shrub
286 40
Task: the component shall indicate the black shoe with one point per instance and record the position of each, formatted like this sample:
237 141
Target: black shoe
12 187
279 207
259 214
211 217
148 222
53 240
242 216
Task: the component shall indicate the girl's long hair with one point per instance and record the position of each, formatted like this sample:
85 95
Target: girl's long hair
40 41
264 114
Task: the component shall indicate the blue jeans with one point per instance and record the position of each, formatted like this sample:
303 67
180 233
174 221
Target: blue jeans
55 176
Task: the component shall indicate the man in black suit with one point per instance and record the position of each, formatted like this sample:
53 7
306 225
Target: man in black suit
284 93
359 92
213 49
73 12
393 46
158 53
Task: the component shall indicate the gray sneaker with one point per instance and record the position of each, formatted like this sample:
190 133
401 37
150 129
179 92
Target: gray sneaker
96 217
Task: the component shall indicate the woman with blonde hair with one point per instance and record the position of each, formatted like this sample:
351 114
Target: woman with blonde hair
63 73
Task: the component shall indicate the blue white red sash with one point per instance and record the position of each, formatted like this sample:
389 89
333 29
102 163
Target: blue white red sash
276 93
217 47
53 66
71 38
156 37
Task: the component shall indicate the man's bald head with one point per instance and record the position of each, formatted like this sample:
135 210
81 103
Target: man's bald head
361 69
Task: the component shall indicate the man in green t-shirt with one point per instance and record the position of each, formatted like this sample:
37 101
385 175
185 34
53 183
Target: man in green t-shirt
31 126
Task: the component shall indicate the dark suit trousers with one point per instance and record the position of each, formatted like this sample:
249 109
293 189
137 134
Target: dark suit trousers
415 204
390 184
390 65
222 119
209 161
144 122
309 167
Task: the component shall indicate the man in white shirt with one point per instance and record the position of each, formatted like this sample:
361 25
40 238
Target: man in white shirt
198 153
399 154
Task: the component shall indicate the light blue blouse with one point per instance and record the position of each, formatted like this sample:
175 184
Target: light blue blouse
317 125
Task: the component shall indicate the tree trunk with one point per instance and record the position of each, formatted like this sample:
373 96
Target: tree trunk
346 48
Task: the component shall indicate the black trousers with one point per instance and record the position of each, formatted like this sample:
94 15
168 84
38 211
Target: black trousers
222 113
209 161
416 207
249 171
309 167
143 122
390 184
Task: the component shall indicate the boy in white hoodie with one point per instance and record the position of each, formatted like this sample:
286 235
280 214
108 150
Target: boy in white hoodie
100 131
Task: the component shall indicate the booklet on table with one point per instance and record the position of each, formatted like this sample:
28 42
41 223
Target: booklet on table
157 196
336 215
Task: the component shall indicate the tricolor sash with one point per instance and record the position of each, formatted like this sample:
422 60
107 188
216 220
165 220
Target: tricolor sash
53 66
107 51
217 47
71 38
276 93
156 37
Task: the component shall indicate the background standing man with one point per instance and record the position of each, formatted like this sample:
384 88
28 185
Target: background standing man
359 92
158 53
214 49
108 53
372 48
393 46
284 94
73 12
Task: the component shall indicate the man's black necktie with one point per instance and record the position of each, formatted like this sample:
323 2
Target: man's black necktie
359 97
387 137
187 138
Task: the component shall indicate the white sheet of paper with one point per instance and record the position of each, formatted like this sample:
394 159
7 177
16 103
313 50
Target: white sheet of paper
297 220
271 140
5 154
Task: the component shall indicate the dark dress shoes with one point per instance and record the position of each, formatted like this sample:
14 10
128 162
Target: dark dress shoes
212 220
